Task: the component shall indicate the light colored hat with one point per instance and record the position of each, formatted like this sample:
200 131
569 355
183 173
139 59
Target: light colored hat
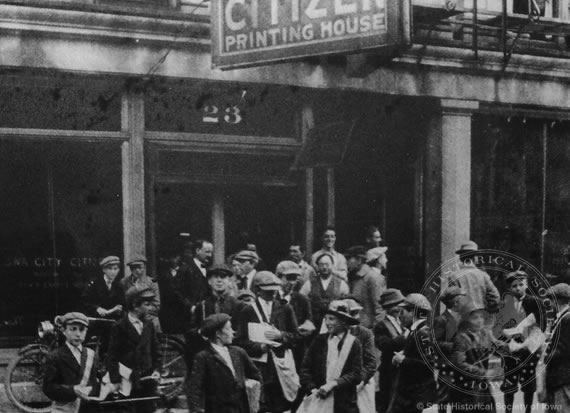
469 246
515 275
247 255
110 260
391 297
340 309
375 253
137 259
560 290
266 281
73 317
287 268
418 301
352 304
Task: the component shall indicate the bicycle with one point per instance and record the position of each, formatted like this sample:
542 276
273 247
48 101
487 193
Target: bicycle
24 375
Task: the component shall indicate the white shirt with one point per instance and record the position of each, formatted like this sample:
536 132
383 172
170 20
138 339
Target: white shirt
250 278
333 351
225 353
267 307
108 281
201 266
325 282
76 351
137 324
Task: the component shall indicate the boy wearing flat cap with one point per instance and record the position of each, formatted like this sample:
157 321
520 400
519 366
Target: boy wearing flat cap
134 344
70 370
104 296
217 381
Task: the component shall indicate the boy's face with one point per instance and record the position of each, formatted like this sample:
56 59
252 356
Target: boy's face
477 320
407 316
218 283
143 309
226 334
75 333
518 287
333 324
111 271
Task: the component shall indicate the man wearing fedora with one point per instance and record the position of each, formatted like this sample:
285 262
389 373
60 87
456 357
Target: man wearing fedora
139 279
269 310
365 285
333 364
476 283
389 337
217 382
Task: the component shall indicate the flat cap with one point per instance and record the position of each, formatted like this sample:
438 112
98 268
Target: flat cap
73 317
245 293
356 251
266 281
247 255
418 301
213 323
219 269
560 290
110 260
137 259
391 297
287 268
375 253
135 292
468 246
515 275
470 307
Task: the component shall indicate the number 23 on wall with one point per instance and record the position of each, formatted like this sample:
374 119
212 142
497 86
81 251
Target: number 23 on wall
212 114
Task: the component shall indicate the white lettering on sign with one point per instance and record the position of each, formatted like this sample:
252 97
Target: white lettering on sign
232 115
256 25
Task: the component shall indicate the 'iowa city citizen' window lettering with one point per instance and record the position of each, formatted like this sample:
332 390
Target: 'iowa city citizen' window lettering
257 24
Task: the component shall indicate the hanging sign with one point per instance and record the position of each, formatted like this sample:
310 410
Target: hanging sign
255 32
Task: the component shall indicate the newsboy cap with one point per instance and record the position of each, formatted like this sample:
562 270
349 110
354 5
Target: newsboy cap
515 275
71 318
137 293
137 259
375 253
287 268
418 301
356 251
469 246
451 292
560 290
266 281
213 323
110 260
391 297
219 269
247 255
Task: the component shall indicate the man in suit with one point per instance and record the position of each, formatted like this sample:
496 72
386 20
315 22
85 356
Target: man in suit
104 296
70 370
248 261
216 383
333 363
175 311
195 269
267 309
558 352
134 344
389 337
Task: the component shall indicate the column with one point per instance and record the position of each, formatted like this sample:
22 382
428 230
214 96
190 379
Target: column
218 227
331 213
307 122
448 182
132 121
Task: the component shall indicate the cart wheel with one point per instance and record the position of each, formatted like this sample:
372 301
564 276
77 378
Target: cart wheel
23 381
172 367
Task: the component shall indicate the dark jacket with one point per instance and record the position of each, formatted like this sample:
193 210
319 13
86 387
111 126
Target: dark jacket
175 311
96 294
388 341
370 354
212 387
415 381
302 309
558 355
137 352
314 372
199 287
62 372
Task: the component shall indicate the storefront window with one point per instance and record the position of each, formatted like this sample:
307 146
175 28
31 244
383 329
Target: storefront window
61 212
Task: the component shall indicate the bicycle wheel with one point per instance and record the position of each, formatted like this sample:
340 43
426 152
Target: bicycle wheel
23 381
172 367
